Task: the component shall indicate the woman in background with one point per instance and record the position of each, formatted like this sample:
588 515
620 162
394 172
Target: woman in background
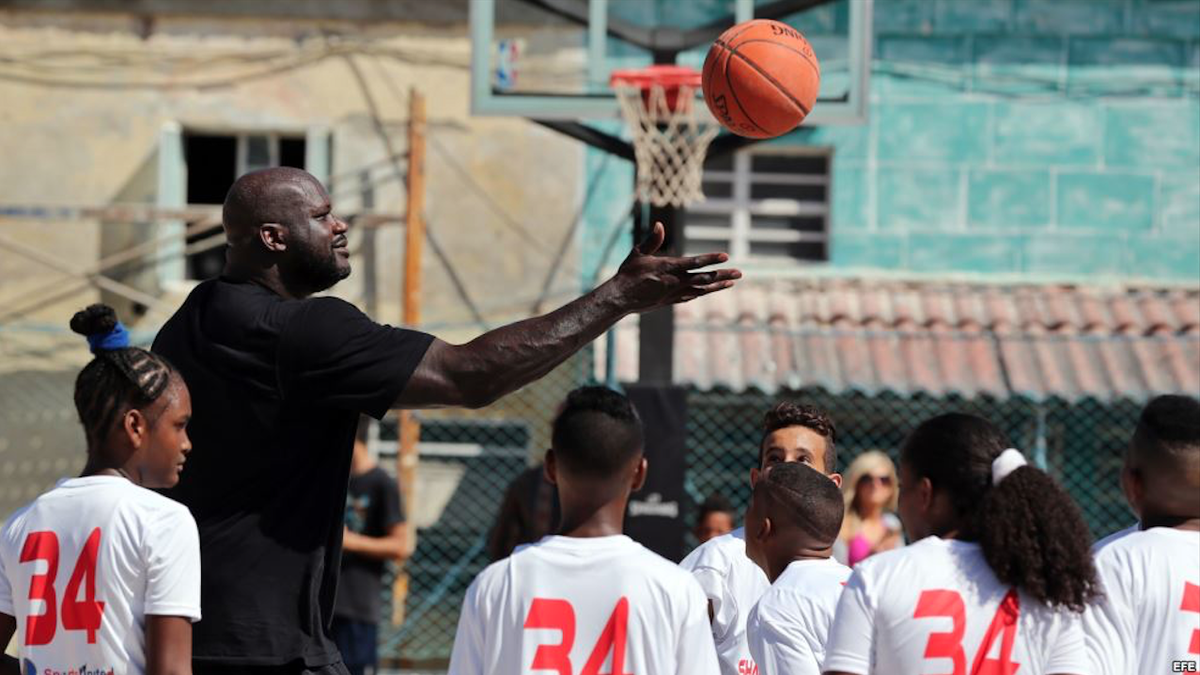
871 524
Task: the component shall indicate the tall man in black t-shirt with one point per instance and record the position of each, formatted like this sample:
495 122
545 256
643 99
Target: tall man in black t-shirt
278 379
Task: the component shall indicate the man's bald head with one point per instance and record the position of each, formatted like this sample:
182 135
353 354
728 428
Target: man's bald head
279 194
281 230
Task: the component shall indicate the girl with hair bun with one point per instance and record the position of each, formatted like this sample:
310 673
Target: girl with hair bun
998 576
101 573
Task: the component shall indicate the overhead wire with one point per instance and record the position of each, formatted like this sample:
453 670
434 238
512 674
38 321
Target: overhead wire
275 63
381 130
556 262
556 258
468 179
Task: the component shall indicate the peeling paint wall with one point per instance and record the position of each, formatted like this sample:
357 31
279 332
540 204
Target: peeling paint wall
501 195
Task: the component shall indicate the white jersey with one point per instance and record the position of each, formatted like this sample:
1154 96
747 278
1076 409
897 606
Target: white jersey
1115 537
1149 618
936 607
81 567
583 606
733 584
789 626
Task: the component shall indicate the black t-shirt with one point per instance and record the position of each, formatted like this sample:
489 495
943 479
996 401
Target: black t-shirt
277 387
373 509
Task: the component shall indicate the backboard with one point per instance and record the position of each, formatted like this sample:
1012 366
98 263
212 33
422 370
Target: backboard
551 59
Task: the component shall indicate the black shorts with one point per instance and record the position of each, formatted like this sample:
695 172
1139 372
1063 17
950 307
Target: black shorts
357 641
298 669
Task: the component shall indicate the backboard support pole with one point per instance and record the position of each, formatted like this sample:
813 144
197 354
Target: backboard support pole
656 329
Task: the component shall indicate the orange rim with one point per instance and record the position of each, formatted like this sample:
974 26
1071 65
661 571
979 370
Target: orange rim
670 78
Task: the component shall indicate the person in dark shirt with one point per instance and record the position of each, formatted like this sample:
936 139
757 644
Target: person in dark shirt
278 381
530 511
374 534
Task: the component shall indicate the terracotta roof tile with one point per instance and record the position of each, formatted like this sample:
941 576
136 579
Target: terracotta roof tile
906 337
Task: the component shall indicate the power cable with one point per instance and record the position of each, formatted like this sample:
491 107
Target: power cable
459 287
556 259
377 121
575 223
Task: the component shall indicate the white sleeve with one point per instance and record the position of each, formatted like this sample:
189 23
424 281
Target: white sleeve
467 655
6 600
852 636
1108 631
716 591
695 652
779 644
1068 652
172 558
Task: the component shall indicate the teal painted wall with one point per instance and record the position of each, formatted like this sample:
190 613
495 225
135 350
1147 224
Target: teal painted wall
1051 138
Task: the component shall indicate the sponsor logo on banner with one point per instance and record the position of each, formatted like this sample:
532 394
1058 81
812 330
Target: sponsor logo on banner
653 505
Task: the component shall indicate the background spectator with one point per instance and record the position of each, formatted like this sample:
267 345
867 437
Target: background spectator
714 519
871 525
375 534
529 512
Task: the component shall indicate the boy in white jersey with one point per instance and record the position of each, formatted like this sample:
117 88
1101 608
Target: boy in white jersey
101 575
731 581
1149 618
996 580
589 600
791 525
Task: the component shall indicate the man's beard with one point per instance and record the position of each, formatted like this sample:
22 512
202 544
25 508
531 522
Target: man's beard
318 272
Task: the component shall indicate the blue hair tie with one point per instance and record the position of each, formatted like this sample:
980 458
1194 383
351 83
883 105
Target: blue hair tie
117 338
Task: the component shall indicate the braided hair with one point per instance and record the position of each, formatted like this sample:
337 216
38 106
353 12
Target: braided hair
119 378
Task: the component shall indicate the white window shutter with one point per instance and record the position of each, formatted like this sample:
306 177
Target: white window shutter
316 154
171 194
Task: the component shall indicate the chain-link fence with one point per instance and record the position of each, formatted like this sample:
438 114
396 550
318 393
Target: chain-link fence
468 459
1080 443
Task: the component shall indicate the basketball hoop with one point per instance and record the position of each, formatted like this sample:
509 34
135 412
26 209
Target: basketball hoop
669 139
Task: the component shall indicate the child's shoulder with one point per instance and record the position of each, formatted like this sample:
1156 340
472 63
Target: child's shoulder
717 553
150 505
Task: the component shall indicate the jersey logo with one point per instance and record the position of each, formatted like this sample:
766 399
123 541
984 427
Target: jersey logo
948 645
1191 603
86 614
557 614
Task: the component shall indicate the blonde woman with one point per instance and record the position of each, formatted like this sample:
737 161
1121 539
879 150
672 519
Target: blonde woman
870 491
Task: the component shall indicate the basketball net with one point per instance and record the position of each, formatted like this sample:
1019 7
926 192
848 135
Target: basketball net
669 138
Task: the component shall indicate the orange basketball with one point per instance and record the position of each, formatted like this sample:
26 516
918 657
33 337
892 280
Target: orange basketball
761 78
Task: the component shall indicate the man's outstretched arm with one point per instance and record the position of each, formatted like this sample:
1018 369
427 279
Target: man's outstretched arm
503 360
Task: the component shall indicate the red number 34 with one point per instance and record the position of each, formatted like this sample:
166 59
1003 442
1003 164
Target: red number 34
560 615
949 604
76 615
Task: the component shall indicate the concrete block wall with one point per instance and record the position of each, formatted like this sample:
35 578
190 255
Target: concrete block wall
1054 138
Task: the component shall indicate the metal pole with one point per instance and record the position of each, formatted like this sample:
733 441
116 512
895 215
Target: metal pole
656 330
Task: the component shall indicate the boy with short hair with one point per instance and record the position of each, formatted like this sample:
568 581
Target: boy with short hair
791 525
1149 617
590 599
733 584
